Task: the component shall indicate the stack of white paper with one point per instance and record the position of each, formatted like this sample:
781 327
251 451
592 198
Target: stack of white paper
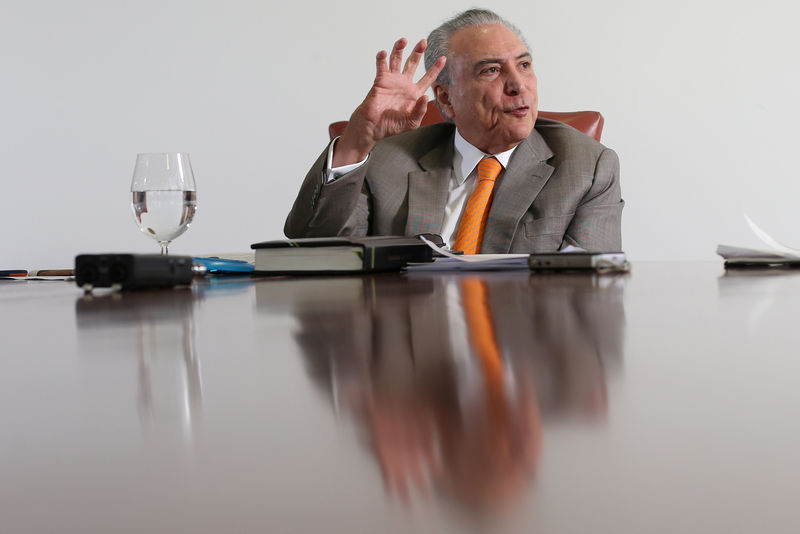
778 253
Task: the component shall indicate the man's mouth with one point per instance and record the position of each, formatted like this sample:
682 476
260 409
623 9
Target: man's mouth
520 111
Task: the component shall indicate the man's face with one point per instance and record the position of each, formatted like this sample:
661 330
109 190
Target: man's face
492 97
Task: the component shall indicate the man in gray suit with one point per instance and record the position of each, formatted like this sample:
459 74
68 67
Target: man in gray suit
387 176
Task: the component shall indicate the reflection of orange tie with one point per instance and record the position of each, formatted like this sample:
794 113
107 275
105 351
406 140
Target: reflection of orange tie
475 295
473 220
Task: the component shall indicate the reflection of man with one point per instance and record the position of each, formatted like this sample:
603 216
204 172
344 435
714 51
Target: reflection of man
386 176
403 359
431 417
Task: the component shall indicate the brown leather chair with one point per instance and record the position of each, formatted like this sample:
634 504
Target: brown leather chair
588 122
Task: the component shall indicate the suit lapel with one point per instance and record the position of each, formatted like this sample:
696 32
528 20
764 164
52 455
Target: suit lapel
428 189
525 176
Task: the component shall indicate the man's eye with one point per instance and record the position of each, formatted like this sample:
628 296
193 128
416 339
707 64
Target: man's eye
525 65
491 70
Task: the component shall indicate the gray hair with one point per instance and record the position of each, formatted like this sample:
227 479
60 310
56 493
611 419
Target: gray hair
439 39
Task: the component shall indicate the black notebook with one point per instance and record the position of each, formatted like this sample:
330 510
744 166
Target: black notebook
340 254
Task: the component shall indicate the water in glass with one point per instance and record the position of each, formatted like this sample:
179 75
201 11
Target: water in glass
163 195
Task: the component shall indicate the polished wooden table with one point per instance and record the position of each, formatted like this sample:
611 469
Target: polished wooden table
666 400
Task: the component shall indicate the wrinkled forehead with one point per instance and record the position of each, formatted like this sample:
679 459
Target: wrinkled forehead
486 41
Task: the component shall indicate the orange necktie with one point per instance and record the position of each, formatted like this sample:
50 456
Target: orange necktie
473 220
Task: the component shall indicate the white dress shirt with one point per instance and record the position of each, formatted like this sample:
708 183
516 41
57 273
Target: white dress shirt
463 180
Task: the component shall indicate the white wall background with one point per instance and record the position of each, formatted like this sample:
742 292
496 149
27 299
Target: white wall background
699 96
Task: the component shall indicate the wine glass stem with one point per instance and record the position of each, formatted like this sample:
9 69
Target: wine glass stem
164 248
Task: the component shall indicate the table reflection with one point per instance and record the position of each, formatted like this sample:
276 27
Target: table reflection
402 357
158 328
765 291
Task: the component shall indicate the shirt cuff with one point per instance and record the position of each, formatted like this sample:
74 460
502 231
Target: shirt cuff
332 173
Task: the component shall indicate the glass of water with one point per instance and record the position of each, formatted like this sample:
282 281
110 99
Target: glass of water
164 196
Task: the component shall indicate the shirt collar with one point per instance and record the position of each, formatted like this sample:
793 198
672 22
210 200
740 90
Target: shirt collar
466 157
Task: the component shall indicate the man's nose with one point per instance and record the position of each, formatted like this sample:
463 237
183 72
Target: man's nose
513 83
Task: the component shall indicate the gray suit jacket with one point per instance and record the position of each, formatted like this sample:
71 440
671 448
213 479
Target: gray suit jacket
561 187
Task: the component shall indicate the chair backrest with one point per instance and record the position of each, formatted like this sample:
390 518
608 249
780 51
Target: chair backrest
588 122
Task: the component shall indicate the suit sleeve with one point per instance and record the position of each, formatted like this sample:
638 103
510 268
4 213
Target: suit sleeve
597 224
334 209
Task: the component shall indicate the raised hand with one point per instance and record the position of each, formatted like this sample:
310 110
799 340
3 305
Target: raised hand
394 104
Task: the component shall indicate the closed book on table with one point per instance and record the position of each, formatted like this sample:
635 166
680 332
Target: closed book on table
340 254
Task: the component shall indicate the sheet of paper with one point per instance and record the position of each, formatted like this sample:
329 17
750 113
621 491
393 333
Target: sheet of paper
729 252
772 243
471 262
777 252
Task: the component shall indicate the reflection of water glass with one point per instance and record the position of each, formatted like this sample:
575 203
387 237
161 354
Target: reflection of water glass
170 387
164 196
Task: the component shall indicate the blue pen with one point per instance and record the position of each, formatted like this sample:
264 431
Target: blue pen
219 265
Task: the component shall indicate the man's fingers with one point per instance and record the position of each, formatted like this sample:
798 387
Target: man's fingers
413 59
396 59
420 107
430 76
380 62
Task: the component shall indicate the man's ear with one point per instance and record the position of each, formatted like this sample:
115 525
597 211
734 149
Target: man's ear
442 93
